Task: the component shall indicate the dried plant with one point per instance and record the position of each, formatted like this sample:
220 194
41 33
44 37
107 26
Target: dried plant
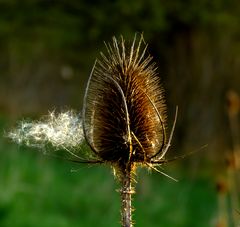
123 119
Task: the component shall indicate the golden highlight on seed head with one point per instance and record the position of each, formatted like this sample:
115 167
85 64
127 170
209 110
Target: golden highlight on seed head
124 113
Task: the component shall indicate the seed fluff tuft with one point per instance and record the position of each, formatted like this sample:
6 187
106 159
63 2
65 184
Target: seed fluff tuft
62 131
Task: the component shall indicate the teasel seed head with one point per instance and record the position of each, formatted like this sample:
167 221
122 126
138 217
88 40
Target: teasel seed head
124 112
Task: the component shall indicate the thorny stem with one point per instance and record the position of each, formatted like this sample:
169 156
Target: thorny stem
126 194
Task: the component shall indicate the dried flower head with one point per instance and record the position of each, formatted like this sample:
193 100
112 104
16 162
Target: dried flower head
124 113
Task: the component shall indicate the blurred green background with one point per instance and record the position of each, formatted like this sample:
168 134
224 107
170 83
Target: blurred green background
47 50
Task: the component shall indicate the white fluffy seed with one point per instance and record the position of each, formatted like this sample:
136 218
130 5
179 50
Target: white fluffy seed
63 130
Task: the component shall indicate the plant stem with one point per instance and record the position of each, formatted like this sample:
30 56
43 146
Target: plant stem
126 195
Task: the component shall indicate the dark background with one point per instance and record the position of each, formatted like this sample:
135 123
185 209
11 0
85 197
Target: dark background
47 50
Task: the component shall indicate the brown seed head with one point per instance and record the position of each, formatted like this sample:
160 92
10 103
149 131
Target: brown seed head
124 109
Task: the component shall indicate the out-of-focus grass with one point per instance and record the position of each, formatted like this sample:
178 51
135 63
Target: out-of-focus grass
38 191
